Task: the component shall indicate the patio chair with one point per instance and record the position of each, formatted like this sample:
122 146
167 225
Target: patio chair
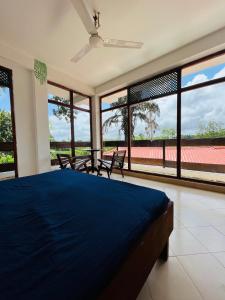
117 162
76 163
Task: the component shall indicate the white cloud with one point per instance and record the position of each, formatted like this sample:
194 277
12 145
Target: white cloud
199 78
220 74
60 129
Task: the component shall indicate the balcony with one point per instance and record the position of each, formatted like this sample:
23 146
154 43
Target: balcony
201 159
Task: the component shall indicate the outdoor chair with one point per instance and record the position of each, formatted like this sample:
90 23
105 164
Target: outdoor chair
117 162
75 163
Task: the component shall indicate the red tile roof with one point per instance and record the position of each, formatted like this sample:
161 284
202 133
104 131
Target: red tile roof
204 154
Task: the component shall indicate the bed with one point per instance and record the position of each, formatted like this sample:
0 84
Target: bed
67 235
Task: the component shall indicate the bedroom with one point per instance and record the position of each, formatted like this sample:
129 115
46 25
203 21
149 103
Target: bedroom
158 102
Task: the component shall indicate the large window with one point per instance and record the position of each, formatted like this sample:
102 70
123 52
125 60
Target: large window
203 122
115 127
69 122
153 142
172 124
8 161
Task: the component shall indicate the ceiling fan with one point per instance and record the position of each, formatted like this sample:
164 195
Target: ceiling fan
92 23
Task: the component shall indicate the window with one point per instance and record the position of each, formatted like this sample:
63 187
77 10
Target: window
81 101
115 130
113 100
154 133
203 133
172 124
69 122
204 71
8 156
60 129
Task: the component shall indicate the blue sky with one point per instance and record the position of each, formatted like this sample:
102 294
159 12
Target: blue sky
4 99
208 72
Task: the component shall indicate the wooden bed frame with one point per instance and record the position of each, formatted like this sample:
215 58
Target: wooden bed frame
154 244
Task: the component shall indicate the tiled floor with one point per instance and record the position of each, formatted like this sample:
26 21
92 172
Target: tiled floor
196 266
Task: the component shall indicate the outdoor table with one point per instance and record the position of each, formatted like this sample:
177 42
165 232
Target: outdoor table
93 167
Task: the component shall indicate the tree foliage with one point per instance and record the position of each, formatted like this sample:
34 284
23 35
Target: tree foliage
212 129
145 112
6 134
62 112
168 133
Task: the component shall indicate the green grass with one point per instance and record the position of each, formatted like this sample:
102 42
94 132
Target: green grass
78 152
6 158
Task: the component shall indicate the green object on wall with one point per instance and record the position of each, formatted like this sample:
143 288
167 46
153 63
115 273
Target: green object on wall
40 71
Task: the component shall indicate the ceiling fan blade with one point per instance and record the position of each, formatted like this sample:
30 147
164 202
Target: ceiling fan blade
86 15
81 53
122 44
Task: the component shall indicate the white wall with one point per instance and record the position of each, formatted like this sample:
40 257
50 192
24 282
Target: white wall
96 124
24 117
40 103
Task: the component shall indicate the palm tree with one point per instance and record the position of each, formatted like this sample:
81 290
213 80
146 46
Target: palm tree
146 112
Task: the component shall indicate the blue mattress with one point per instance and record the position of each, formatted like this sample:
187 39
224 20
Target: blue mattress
64 234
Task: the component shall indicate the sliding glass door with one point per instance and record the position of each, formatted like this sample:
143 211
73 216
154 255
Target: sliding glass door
153 136
203 121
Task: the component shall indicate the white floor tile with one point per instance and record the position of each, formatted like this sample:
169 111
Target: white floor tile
212 239
220 228
207 274
221 257
169 281
182 242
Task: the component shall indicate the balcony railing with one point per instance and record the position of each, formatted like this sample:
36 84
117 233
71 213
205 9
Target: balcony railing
191 164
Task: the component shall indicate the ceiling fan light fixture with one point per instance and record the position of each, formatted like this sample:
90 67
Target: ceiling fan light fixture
95 41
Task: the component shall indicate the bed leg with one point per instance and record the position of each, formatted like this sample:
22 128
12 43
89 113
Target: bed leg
165 253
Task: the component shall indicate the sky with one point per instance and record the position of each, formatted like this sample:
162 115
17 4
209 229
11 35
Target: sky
60 128
4 99
198 106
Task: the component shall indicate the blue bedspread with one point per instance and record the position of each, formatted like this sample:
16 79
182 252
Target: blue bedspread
63 234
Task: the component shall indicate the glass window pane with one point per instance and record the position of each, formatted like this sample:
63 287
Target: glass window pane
114 100
6 132
59 129
82 126
153 130
115 132
58 94
203 133
82 132
81 101
207 70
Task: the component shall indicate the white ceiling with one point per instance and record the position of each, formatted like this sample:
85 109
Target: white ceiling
51 30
